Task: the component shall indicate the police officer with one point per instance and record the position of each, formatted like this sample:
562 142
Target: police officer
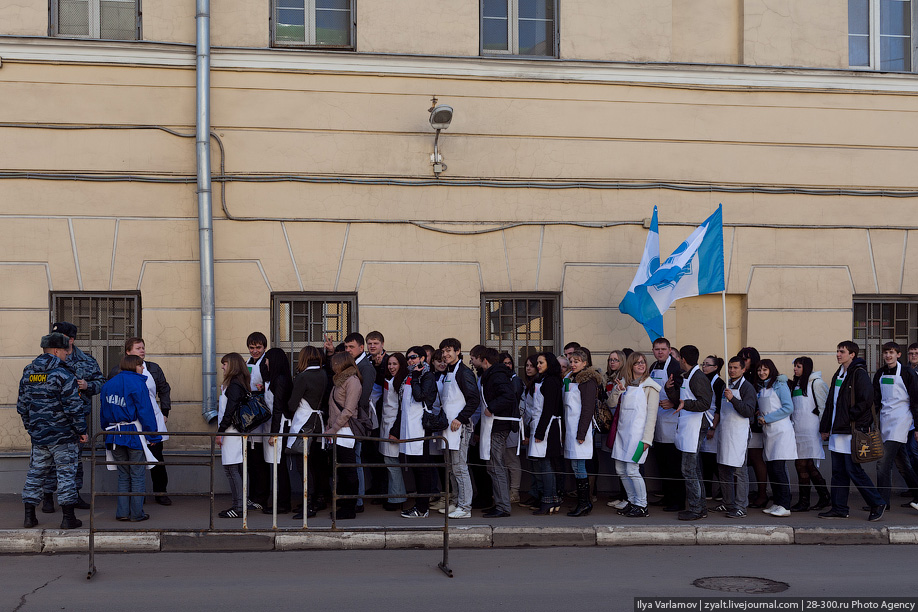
89 381
52 412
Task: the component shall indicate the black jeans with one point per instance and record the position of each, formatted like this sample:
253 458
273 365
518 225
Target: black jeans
669 464
423 479
780 485
158 472
348 483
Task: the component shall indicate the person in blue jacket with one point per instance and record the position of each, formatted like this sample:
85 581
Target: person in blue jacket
126 406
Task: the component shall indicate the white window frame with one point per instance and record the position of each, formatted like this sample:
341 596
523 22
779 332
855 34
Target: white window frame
875 38
95 19
513 32
309 8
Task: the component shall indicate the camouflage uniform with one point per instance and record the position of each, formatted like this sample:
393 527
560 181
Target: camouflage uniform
84 367
53 415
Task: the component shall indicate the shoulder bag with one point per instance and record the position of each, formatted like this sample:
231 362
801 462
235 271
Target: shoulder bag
252 412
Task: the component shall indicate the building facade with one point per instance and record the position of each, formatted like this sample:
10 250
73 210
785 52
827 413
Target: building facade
571 121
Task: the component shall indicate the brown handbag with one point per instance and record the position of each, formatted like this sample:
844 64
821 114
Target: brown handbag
867 446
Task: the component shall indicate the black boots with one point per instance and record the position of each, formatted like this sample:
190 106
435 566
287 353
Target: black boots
822 490
30 519
47 503
804 504
81 504
584 505
70 521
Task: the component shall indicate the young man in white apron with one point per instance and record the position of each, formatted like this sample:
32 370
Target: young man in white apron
460 399
896 392
850 400
256 466
499 418
692 398
736 414
667 456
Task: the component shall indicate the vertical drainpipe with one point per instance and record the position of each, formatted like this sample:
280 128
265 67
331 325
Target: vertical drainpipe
205 211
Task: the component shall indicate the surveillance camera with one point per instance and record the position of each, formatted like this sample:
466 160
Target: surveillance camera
441 116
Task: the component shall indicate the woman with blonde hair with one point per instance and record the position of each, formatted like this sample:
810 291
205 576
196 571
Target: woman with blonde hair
634 436
234 390
342 410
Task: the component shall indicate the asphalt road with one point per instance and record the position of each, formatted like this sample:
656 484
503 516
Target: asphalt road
528 580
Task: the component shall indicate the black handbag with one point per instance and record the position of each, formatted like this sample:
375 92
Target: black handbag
866 446
433 422
251 413
308 427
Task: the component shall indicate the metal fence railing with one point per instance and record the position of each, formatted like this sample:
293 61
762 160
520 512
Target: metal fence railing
208 461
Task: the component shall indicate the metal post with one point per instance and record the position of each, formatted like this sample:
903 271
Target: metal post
274 488
205 211
334 508
92 511
245 481
306 442
447 469
213 454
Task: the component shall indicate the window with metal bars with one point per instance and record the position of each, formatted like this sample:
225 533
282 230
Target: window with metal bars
521 324
301 319
104 321
104 19
880 320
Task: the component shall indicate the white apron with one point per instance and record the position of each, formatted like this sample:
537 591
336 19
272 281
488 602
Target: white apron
688 426
895 416
452 402
632 417
411 426
231 450
780 441
302 415
255 379
389 414
572 409
538 450
838 443
709 445
667 419
148 454
806 424
151 388
255 373
436 446
513 440
733 431
267 450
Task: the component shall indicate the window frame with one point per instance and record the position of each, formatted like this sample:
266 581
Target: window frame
292 347
871 345
513 23
874 38
95 22
513 346
309 6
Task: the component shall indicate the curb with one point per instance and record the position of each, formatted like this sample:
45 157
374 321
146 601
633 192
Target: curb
26 541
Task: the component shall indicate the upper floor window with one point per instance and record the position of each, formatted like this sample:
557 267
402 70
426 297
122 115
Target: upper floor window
519 27
105 19
313 23
880 34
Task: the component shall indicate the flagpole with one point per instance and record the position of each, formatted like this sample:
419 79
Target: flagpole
723 296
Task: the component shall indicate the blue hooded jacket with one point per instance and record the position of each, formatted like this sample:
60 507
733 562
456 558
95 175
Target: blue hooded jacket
125 398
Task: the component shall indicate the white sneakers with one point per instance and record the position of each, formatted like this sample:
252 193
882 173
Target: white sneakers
618 504
776 510
460 513
444 510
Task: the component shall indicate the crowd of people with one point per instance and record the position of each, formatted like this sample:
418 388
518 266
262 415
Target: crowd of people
561 419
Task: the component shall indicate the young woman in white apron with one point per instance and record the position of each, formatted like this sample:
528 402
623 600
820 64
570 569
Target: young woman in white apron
808 393
546 427
418 394
305 403
579 406
737 409
257 469
531 374
234 389
278 388
774 411
634 436
390 428
756 450
614 382
898 392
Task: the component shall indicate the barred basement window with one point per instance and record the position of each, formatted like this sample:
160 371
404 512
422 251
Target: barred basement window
105 19
301 319
521 324
104 321
880 319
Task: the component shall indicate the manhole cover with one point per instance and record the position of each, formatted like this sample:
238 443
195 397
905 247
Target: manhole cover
741 584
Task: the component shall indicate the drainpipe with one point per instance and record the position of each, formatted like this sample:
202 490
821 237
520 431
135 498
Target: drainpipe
205 212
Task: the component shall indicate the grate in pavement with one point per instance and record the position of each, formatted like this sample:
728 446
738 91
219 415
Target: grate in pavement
741 584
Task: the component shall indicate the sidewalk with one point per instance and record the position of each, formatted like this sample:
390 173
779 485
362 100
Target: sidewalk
376 528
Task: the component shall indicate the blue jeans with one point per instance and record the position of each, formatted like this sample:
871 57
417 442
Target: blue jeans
131 479
633 482
734 484
780 485
694 487
579 467
844 472
396 481
549 488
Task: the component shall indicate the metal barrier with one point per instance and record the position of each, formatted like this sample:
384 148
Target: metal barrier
278 448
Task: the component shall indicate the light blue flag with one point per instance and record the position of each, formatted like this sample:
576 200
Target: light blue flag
636 302
696 267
